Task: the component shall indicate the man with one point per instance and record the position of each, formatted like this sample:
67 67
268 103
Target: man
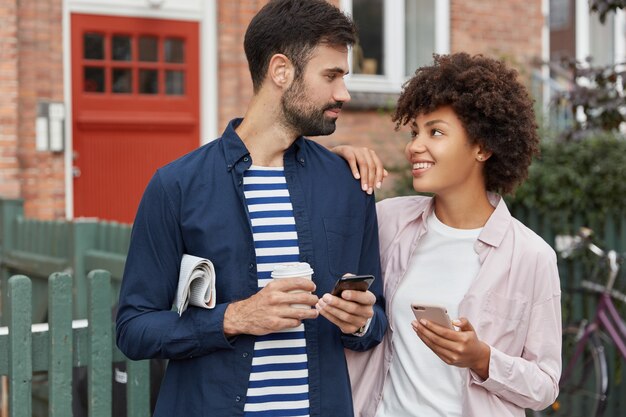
259 196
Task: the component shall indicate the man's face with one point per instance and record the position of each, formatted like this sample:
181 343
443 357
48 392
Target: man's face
312 103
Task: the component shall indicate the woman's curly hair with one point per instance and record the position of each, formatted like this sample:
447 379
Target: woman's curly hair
494 107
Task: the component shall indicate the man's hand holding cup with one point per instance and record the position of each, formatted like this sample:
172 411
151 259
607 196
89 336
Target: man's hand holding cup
282 304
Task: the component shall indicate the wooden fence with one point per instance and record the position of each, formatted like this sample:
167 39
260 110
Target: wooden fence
39 248
58 346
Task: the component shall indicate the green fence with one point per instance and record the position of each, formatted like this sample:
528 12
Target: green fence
58 346
38 248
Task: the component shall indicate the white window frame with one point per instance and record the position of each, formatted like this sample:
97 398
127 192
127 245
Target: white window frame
394 47
583 24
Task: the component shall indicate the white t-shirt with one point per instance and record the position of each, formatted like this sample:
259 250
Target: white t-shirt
419 383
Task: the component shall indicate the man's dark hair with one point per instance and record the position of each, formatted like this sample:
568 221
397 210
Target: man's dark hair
494 107
293 28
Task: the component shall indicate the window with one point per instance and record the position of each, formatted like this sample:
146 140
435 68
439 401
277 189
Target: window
395 37
111 64
575 32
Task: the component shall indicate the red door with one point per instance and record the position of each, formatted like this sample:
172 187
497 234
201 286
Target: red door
135 107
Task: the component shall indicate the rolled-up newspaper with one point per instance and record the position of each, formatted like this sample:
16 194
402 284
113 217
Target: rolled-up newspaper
196 283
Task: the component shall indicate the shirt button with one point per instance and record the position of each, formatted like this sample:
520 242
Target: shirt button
302 160
245 354
251 266
238 398
246 159
240 182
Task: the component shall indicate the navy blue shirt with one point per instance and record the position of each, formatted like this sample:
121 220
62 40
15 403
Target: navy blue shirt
196 205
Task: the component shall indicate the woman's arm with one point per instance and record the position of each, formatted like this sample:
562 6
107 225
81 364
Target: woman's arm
531 380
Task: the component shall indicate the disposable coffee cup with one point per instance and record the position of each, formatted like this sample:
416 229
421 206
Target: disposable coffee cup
293 270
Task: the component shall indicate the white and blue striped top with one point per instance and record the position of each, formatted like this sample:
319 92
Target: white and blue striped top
279 380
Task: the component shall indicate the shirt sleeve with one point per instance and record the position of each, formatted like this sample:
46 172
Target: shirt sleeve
532 380
370 264
147 327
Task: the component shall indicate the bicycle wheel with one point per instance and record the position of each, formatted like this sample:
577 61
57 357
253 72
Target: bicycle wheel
583 392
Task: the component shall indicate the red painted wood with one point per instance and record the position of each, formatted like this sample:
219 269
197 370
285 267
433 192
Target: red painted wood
120 139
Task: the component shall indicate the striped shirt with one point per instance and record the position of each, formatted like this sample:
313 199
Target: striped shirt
279 379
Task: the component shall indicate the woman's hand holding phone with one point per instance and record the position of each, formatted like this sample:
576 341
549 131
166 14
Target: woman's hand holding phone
460 348
436 314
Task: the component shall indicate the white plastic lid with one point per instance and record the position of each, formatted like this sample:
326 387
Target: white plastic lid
290 270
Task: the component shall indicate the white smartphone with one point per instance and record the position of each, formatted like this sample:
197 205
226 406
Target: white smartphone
434 313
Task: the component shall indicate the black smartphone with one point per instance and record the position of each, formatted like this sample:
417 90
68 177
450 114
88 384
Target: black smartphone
352 282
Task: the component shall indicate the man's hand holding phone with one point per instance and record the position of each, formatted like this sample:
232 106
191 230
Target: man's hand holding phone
351 306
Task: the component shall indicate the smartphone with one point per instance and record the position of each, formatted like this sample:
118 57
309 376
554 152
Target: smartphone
352 282
436 314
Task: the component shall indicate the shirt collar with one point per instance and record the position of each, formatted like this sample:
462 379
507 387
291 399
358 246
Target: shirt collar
498 223
235 150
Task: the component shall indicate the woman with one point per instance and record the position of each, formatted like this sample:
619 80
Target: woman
473 138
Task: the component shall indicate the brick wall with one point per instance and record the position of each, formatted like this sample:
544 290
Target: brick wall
30 70
504 29
235 85
40 77
9 166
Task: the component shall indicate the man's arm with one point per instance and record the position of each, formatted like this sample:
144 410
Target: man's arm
146 325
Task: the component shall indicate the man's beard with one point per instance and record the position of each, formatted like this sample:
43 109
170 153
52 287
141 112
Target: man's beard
302 116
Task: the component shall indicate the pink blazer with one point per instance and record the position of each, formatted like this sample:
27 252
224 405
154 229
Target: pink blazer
514 305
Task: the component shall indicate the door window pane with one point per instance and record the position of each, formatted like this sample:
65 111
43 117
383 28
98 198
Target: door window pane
93 80
175 83
174 50
148 49
419 33
122 80
93 46
368 54
148 81
121 48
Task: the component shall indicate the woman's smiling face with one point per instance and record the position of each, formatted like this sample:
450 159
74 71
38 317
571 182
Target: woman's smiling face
442 158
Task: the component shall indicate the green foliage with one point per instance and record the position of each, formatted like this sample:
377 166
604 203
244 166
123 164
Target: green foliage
570 177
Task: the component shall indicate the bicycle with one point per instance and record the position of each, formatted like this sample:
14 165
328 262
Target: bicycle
584 383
